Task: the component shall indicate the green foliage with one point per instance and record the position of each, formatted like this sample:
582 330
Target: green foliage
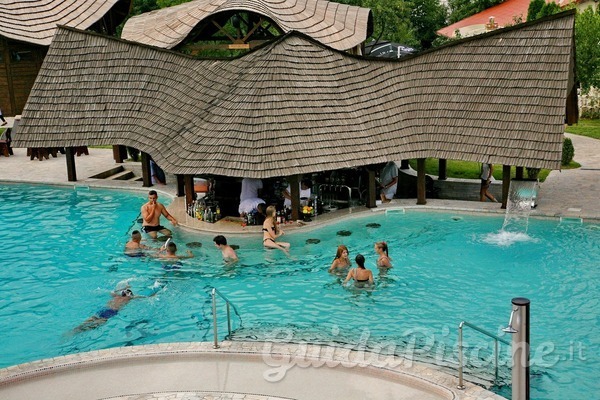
533 173
143 6
587 44
568 151
460 9
548 9
170 3
427 16
534 8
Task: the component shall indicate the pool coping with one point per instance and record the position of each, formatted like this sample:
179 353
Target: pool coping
414 374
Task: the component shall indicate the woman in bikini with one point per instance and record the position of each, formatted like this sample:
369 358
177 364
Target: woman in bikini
271 231
361 275
384 261
341 261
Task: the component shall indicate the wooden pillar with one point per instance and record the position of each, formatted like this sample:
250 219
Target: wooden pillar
443 169
146 174
180 185
295 194
119 154
188 183
70 157
371 189
519 173
421 182
505 184
404 164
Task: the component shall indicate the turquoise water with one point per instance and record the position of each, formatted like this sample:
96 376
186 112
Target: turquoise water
63 255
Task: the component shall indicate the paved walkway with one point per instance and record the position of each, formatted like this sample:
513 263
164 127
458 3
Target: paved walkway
567 193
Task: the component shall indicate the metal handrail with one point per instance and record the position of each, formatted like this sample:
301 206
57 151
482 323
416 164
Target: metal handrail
496 338
214 292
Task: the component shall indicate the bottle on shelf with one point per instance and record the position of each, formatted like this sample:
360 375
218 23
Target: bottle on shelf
218 213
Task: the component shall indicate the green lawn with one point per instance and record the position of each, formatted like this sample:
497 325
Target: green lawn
469 169
585 127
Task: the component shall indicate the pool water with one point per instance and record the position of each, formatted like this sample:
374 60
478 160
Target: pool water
63 255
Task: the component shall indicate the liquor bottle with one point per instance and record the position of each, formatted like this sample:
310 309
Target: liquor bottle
218 216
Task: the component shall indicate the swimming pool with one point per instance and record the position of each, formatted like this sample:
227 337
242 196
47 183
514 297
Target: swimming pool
63 255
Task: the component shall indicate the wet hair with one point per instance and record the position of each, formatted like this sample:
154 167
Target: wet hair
171 247
136 235
126 293
152 193
220 240
340 250
383 246
360 260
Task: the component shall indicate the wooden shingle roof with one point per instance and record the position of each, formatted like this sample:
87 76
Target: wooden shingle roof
35 21
339 26
295 106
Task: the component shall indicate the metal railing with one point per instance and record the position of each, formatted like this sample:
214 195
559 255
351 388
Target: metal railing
214 292
497 339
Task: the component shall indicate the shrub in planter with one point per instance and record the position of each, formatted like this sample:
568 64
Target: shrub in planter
568 151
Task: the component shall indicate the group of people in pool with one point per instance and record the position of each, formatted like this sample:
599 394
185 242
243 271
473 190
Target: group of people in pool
361 275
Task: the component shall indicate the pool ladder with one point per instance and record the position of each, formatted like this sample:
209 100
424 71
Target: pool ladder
461 383
214 292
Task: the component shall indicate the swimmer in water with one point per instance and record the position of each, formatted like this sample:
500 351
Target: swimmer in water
340 263
169 252
120 298
229 255
134 247
362 276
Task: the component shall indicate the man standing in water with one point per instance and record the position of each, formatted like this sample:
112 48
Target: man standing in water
151 212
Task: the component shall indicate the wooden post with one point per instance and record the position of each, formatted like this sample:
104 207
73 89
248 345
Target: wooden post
119 154
70 157
505 185
146 174
443 169
371 189
188 183
519 173
295 194
180 185
421 182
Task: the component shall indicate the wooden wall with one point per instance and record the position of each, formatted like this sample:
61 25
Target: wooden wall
19 65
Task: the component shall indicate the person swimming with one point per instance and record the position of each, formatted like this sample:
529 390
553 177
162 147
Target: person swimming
120 298
361 275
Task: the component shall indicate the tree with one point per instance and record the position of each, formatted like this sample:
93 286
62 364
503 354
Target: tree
548 9
461 9
534 8
427 16
587 44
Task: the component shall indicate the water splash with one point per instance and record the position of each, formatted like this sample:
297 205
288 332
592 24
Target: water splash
521 199
505 238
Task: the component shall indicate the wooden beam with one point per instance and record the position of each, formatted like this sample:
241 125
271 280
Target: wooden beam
505 185
146 174
443 169
119 153
180 185
371 189
519 173
70 157
188 183
421 182
294 181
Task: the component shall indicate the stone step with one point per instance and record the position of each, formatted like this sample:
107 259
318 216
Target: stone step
121 176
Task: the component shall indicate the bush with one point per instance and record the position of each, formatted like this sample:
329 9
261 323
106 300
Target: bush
568 152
